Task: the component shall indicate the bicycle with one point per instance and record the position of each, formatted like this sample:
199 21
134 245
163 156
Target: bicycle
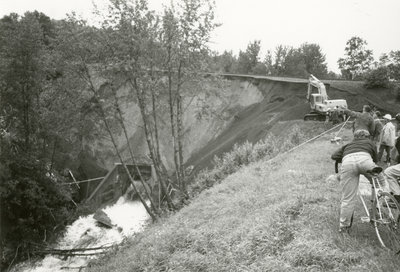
383 214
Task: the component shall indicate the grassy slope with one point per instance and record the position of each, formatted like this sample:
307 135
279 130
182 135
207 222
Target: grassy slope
278 215
383 99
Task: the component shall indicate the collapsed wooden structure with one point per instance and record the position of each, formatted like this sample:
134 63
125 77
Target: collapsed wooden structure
108 189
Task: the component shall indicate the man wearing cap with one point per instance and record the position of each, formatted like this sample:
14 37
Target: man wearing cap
363 120
388 137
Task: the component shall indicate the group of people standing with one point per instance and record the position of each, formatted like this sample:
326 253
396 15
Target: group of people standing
373 134
382 131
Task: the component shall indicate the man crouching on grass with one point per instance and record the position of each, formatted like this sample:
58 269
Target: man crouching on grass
358 156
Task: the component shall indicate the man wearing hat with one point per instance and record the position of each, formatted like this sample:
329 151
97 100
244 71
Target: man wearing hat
388 137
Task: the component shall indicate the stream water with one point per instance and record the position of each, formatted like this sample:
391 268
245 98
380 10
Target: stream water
129 217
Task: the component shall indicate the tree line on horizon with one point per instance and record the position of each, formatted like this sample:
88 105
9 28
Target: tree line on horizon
357 63
59 82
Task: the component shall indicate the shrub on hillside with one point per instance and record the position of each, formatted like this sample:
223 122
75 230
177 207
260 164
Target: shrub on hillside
33 205
245 154
397 92
377 78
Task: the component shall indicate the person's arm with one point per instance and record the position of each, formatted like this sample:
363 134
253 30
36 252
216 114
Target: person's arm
351 113
372 127
338 154
392 136
374 152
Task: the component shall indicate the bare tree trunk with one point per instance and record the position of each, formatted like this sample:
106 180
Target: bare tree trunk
154 113
26 121
153 206
149 142
173 133
54 152
157 142
172 117
179 122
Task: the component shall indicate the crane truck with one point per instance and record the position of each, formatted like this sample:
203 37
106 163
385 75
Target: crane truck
319 101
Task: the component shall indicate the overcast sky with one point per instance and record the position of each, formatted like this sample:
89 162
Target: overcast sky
329 23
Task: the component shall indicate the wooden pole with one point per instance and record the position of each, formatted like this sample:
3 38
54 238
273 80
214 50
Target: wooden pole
76 183
82 181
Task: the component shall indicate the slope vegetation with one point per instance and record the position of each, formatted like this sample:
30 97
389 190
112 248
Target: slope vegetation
273 215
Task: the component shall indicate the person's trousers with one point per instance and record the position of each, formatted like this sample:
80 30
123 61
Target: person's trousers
392 173
386 148
352 166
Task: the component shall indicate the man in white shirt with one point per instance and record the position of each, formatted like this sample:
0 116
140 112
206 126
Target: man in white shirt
388 137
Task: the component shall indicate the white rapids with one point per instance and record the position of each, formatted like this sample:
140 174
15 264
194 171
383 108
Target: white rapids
129 217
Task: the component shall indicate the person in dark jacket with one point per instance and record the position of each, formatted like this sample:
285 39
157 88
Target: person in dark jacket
378 128
358 157
362 120
397 144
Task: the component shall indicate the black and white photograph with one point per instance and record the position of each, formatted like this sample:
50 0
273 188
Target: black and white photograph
199 135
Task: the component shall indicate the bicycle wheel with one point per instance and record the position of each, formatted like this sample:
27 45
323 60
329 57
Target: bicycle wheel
387 222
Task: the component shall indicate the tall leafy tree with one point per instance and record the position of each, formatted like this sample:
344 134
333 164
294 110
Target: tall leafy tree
226 62
249 59
394 66
137 52
22 74
294 64
186 31
31 199
377 78
268 62
298 62
89 56
280 54
314 59
392 62
357 59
